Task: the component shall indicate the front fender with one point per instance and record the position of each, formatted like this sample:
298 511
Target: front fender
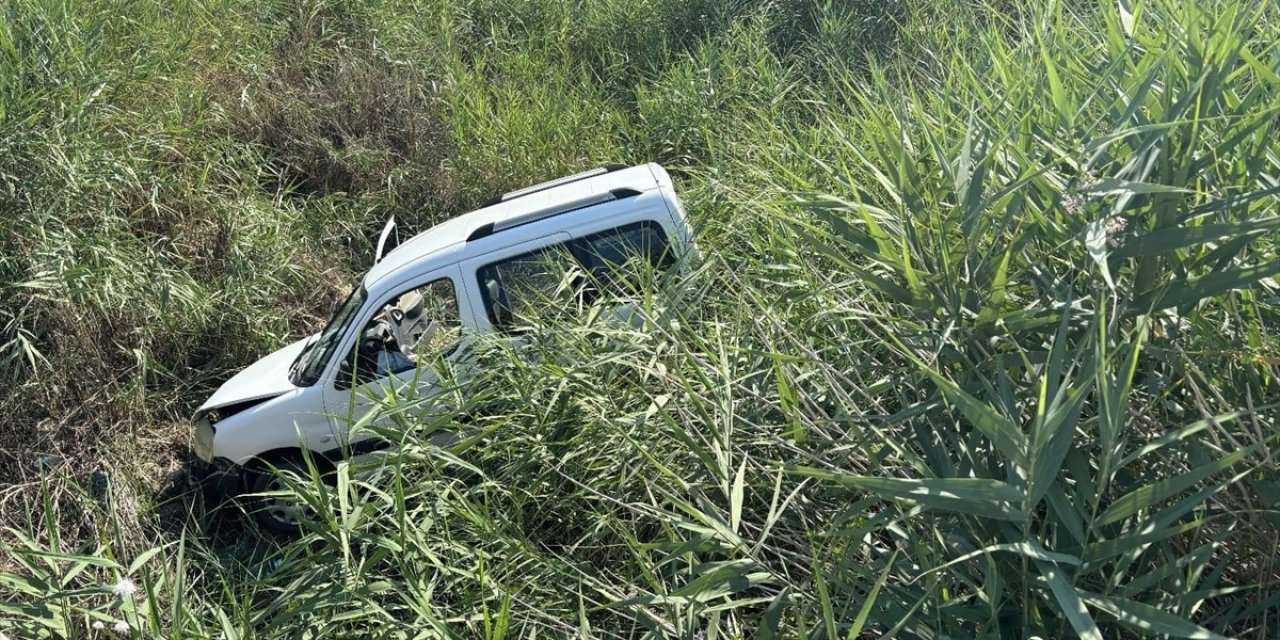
295 419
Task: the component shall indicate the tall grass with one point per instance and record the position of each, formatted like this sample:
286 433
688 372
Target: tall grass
984 343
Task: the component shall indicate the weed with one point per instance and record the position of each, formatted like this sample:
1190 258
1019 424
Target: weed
984 345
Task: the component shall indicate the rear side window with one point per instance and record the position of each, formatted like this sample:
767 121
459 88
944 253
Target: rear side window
513 286
571 273
608 252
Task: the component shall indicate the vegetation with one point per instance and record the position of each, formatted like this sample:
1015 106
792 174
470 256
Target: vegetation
985 342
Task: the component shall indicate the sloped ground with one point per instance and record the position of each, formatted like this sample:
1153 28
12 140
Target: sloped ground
985 344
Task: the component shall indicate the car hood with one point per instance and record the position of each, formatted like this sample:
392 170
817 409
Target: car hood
266 378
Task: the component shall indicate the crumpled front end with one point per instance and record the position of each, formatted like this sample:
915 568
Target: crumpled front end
203 446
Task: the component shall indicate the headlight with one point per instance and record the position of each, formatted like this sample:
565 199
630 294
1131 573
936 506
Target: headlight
204 439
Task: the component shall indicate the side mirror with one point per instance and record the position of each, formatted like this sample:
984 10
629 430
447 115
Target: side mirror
387 241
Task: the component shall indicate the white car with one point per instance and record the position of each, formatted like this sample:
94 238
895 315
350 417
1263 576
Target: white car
421 302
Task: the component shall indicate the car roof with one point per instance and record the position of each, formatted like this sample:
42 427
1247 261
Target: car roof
451 235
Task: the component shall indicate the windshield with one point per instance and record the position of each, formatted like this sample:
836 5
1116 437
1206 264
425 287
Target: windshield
310 364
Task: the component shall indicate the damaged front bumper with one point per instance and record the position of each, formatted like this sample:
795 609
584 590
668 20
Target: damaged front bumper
217 478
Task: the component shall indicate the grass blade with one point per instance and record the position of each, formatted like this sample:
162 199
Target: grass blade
1149 619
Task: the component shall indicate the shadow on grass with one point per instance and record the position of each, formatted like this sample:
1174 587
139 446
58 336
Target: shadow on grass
217 521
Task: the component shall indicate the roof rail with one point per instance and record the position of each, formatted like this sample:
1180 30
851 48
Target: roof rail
491 228
550 184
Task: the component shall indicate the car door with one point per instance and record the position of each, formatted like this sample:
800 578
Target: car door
378 372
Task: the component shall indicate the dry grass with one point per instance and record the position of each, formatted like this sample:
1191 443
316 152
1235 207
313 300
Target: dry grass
896 199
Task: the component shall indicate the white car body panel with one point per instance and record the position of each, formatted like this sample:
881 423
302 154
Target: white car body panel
288 416
265 378
279 423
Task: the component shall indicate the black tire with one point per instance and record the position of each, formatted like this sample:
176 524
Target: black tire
278 513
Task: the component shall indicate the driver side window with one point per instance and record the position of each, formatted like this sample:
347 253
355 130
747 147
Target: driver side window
415 327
